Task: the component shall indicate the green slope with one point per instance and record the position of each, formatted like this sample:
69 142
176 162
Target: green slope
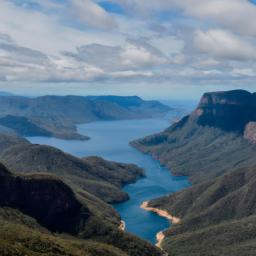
26 201
218 212
101 178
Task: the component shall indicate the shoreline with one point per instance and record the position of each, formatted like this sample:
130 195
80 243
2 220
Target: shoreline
160 235
122 225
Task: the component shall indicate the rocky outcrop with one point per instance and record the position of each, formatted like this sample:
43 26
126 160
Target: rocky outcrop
47 199
250 132
213 147
210 141
29 200
230 111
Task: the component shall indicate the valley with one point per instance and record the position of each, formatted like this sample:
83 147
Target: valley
110 139
194 178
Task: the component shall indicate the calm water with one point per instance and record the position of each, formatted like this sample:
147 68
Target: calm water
111 141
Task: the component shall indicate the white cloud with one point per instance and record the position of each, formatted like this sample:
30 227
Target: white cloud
131 73
80 41
224 45
237 15
92 14
45 32
134 54
237 72
138 56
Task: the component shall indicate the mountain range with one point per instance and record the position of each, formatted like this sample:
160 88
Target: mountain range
58 116
215 147
53 203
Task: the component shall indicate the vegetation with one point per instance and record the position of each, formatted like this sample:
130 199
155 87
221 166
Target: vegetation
23 126
218 213
229 238
34 207
200 152
57 116
99 177
209 142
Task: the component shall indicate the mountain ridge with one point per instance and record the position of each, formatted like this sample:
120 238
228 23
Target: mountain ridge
35 211
101 178
175 147
59 115
215 147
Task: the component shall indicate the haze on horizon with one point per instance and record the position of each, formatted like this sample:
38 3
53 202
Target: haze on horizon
156 49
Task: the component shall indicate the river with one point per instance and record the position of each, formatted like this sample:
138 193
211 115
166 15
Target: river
110 139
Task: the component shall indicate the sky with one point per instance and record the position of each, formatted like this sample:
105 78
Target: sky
155 49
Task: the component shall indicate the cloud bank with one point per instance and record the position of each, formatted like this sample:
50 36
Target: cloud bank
164 41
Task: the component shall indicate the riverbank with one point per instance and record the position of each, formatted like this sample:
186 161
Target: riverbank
162 213
122 225
158 181
160 235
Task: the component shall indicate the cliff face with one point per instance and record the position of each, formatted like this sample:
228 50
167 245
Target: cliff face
210 141
213 146
27 201
48 200
230 111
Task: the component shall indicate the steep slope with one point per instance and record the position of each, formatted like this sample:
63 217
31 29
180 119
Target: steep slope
222 208
99 177
208 142
215 147
44 198
23 126
230 110
36 202
58 115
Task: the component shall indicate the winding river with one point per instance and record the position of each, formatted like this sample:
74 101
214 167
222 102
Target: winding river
110 139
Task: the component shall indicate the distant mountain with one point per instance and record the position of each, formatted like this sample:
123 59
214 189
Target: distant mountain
210 141
22 126
2 93
58 115
215 147
34 207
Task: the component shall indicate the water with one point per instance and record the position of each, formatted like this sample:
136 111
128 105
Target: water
111 141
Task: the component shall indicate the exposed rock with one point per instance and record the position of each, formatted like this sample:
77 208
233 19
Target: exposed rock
230 110
29 202
210 141
219 212
48 200
250 132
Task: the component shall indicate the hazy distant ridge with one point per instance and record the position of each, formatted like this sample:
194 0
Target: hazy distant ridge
58 115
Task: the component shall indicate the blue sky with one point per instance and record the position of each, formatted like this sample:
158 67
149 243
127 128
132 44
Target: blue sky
156 49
